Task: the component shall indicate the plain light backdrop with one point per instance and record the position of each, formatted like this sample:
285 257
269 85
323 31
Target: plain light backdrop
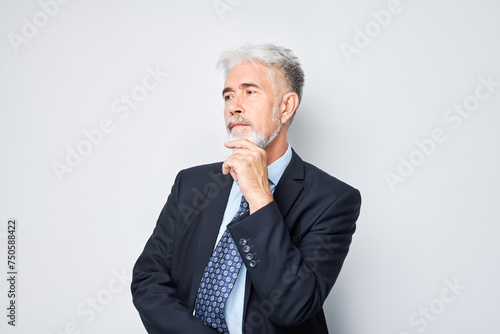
381 78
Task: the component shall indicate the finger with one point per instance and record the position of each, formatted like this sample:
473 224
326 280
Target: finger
232 162
241 152
234 175
241 143
226 167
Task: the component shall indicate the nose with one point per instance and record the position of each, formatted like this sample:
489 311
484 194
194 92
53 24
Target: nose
235 105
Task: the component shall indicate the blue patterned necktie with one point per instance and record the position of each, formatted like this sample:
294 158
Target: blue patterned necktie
218 279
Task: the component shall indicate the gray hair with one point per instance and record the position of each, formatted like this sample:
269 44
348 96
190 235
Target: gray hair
290 75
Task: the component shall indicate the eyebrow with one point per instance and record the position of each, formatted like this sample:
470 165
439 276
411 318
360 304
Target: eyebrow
243 85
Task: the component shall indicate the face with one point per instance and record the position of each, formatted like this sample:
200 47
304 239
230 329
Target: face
250 110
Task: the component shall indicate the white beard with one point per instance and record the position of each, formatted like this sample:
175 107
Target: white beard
256 137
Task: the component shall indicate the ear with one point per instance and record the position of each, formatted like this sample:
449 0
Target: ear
289 104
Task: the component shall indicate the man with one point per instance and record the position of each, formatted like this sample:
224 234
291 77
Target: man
253 244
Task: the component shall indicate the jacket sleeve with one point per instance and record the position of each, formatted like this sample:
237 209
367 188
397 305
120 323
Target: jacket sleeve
153 289
293 276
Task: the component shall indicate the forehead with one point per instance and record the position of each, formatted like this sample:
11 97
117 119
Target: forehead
246 73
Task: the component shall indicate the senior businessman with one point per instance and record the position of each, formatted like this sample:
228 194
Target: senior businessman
253 244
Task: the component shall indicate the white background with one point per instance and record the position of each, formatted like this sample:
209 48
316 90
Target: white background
360 115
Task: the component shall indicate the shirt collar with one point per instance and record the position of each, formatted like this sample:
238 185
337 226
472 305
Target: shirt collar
277 168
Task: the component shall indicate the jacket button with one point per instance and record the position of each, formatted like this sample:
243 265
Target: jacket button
243 241
252 264
249 256
246 248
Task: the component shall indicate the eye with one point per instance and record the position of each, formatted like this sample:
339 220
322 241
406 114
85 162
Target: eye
228 97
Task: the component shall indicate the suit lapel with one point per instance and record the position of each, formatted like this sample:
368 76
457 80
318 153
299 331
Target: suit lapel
210 221
288 189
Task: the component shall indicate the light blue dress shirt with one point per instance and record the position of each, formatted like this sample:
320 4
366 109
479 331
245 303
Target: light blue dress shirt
234 304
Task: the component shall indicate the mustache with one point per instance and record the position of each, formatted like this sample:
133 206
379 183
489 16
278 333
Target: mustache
237 119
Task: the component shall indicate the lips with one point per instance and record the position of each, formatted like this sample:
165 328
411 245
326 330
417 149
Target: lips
235 124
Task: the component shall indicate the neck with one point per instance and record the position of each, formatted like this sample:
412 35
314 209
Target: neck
277 147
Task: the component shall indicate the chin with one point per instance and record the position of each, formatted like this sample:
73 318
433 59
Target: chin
255 137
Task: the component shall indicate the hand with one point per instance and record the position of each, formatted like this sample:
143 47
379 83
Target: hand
248 166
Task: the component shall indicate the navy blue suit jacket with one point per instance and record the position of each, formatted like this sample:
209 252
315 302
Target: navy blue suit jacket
298 242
